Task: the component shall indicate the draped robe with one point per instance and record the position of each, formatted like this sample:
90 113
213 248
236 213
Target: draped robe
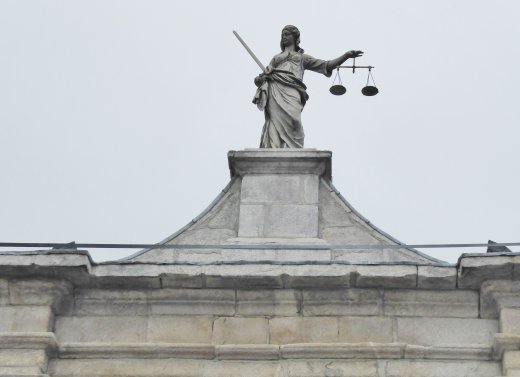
282 98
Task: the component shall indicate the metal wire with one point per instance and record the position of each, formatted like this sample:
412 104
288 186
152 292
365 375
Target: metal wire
58 245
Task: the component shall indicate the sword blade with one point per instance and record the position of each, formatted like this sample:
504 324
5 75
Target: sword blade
249 51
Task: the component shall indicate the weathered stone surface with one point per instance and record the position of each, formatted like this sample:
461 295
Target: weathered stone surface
456 303
251 220
291 220
205 236
241 369
48 259
498 294
366 329
56 293
240 331
28 340
248 352
368 350
4 292
110 302
303 330
111 329
25 318
244 276
333 212
393 276
192 301
416 368
433 277
342 302
332 368
19 357
446 331
448 353
279 189
33 371
316 276
273 302
475 269
125 367
179 329
354 234
136 351
511 363
510 321
280 161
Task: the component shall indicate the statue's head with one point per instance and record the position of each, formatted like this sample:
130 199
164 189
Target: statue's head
291 31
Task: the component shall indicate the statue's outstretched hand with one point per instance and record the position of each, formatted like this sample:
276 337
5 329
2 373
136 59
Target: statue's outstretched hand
355 53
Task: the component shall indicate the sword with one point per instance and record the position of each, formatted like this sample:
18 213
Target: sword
249 51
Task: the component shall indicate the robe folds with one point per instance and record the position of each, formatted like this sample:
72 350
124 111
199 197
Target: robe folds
282 98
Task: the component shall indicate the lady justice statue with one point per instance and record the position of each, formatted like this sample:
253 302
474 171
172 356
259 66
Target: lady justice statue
281 93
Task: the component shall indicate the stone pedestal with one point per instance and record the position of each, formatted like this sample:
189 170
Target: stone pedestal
279 195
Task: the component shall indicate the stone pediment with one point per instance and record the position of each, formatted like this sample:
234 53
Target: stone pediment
281 207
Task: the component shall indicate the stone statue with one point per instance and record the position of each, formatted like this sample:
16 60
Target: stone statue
281 93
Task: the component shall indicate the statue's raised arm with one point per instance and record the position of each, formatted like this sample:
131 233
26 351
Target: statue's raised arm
281 93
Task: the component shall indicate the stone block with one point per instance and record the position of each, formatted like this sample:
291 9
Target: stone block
136 351
110 302
432 277
272 302
303 330
510 321
474 270
4 292
25 318
390 276
331 368
354 234
125 368
366 329
251 220
179 329
56 293
333 212
454 352
511 363
240 331
21 357
455 303
19 371
341 302
417 368
316 276
244 276
302 255
111 329
192 301
241 369
342 351
248 352
446 331
291 221
279 189
498 294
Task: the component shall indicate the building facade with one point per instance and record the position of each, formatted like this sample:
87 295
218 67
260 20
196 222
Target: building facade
278 277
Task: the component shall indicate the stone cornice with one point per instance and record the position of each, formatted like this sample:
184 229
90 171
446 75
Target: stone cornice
273 352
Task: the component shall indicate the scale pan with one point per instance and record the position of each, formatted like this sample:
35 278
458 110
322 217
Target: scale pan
369 91
338 90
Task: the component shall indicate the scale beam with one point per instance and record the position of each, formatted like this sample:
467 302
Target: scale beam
356 66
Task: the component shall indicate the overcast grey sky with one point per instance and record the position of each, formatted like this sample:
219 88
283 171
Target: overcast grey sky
116 116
